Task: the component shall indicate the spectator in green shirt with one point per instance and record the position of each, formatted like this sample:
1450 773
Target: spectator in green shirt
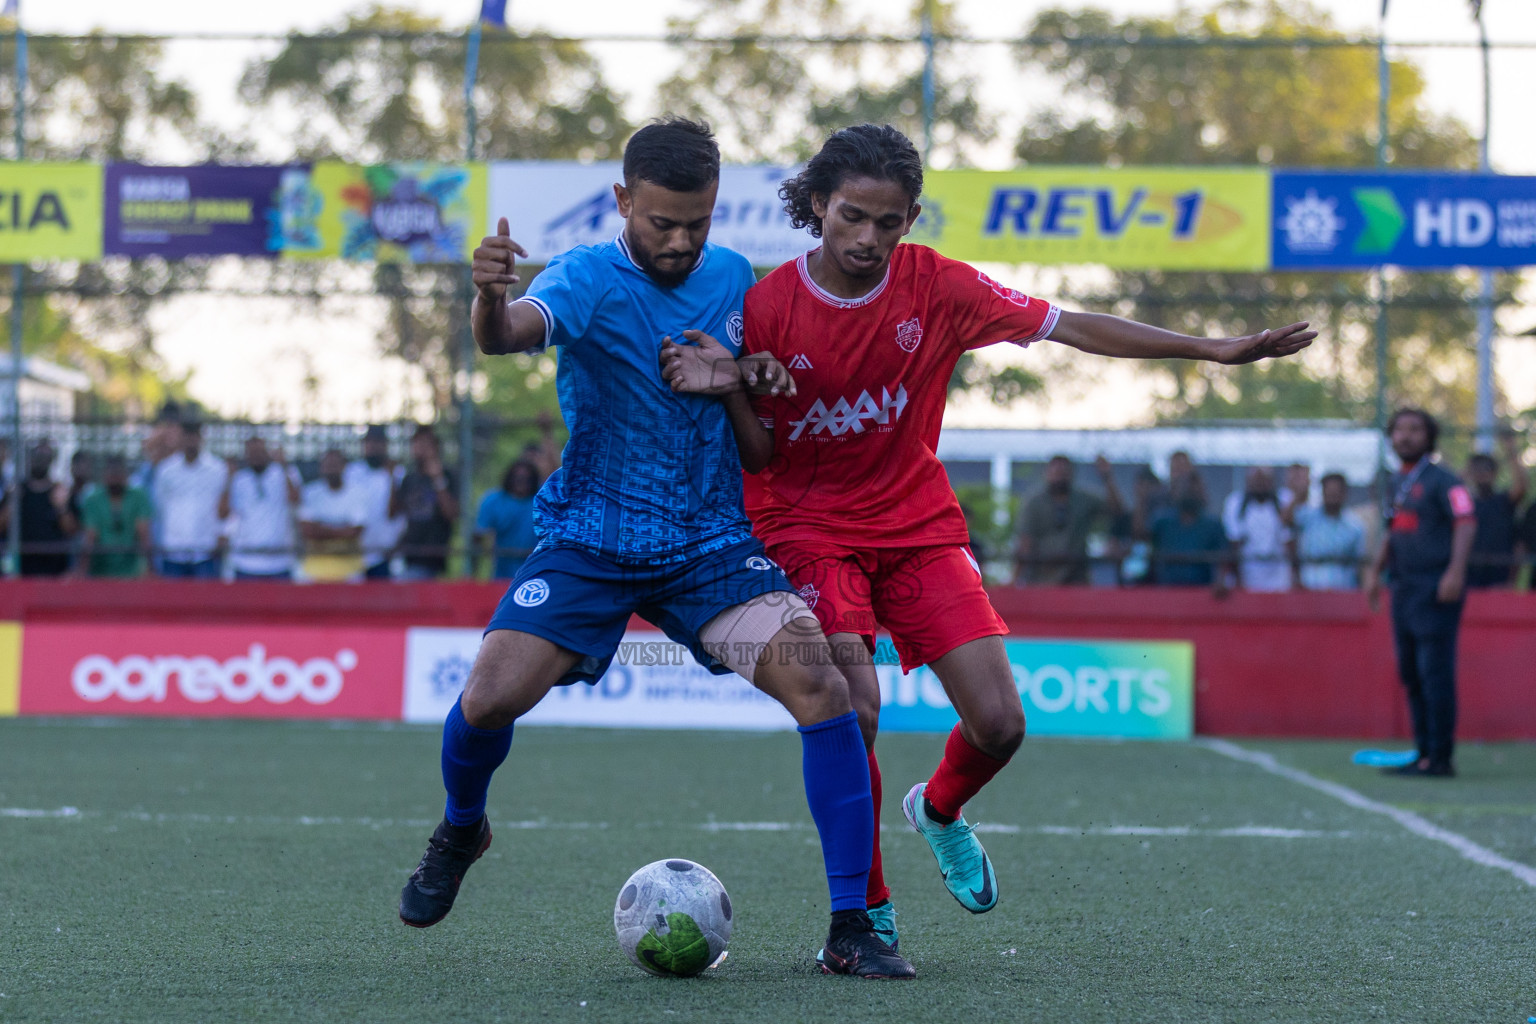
116 521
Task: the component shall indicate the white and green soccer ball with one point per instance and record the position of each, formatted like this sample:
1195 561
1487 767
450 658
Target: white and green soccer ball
673 918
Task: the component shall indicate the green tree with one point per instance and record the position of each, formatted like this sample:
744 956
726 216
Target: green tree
100 99
388 85
1165 102
738 79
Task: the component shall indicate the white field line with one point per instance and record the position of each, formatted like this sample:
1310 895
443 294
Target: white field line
1407 819
1177 831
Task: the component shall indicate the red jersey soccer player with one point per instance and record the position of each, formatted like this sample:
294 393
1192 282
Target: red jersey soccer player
848 494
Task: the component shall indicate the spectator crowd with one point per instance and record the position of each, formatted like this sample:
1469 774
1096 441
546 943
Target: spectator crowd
1277 532
179 511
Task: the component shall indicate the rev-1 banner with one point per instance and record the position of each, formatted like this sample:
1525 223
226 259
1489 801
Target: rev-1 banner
1344 220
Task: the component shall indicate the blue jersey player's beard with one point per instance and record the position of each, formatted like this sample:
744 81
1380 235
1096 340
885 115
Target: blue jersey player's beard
665 277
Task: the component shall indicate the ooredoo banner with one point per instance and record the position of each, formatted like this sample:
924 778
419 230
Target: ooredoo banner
1141 690
252 671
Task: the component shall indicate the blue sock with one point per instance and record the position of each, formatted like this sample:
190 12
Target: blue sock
470 756
836 770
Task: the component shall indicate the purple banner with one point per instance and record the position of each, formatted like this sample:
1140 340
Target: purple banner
205 210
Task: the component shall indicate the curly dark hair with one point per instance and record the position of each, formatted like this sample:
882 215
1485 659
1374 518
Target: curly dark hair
861 151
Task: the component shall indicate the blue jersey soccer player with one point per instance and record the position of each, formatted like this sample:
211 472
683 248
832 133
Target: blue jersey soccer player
645 517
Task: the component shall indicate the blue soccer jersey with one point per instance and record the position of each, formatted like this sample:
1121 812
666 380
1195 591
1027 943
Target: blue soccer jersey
648 475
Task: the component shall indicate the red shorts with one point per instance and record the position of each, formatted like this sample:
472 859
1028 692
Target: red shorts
931 599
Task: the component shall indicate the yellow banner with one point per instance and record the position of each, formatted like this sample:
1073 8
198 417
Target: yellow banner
10 668
1130 218
415 212
50 212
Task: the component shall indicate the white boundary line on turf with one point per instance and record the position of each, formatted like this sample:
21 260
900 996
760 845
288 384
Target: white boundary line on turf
1081 831
1410 821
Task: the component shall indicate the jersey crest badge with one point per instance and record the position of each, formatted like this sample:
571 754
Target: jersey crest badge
809 594
909 334
799 362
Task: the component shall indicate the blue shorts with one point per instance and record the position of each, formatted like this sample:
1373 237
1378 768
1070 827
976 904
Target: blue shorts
582 601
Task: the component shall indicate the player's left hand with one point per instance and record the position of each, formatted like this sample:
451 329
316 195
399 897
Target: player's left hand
704 367
1270 344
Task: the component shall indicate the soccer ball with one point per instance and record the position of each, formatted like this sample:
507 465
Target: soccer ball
673 918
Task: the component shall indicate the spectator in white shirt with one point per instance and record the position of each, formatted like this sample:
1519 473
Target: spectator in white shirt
187 488
1255 525
260 501
331 520
376 476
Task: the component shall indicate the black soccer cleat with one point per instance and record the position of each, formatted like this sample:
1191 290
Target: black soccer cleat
429 895
854 948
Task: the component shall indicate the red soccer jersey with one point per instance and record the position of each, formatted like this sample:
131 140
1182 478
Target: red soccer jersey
854 451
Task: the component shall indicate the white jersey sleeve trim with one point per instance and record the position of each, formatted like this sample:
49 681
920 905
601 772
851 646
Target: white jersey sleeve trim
545 312
1052 314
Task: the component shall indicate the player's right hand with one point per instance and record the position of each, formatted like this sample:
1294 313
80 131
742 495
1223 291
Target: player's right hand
762 374
495 259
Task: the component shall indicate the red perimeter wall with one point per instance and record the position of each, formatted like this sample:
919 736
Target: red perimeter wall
1302 664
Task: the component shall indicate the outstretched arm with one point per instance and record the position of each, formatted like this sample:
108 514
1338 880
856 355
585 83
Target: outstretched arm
1104 335
500 327
706 367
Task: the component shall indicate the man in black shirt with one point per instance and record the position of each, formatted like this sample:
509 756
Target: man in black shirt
1493 552
1430 528
46 522
427 499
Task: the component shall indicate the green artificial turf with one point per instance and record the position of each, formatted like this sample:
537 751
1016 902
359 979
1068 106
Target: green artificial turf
247 871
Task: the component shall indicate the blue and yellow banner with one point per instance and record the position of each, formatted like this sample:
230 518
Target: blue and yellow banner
1130 218
50 212
1136 690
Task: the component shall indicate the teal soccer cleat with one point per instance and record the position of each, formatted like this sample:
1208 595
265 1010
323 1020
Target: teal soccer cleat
967 870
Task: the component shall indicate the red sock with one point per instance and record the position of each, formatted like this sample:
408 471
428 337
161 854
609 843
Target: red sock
960 775
878 891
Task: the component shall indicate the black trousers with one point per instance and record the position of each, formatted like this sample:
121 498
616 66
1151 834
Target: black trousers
1425 632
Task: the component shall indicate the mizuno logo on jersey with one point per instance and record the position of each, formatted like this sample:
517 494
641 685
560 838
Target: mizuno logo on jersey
846 416
800 362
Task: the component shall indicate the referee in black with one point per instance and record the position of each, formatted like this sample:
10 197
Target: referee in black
1430 528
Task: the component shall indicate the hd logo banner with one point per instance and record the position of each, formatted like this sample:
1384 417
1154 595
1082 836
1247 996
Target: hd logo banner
1343 220
1130 218
50 212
